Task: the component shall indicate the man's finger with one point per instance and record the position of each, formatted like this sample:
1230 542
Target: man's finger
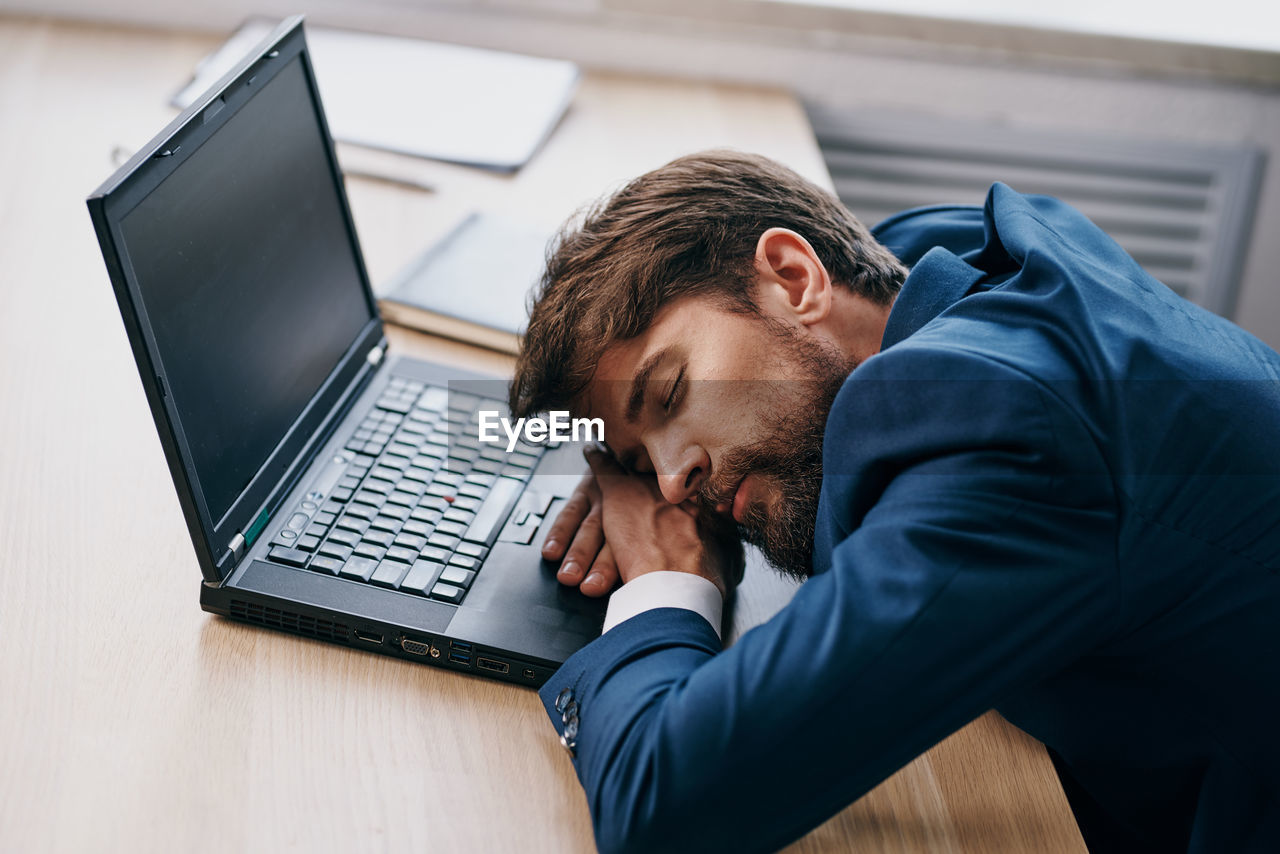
568 519
603 575
583 550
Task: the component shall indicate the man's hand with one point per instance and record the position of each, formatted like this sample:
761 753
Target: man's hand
577 536
618 525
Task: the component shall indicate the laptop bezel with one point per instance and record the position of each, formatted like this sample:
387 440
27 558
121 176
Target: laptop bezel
249 512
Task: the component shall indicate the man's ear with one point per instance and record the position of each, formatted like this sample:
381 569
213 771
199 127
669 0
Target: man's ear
792 281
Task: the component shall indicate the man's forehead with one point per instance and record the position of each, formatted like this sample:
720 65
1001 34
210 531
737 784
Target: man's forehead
605 396
611 384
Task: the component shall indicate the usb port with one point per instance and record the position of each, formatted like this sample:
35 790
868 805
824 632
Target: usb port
460 646
369 637
459 658
495 666
528 673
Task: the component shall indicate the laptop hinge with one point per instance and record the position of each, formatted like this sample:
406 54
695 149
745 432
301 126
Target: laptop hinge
236 546
375 355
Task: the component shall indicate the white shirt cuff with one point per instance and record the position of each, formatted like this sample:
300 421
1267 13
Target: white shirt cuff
665 589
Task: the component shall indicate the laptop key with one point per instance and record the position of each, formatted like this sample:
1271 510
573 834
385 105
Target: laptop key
443 541
426 515
346 538
323 563
453 529
447 593
434 398
413 487
389 573
371 551
411 541
474 550
308 543
416 526
456 514
353 523
435 554
464 562
362 511
335 550
400 449
358 568
404 554
378 537
392 461
420 578
395 405
524 461
396 511
385 523
419 474
457 576
494 511
286 555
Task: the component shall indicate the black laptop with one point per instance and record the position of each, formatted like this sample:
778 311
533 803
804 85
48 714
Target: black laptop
331 489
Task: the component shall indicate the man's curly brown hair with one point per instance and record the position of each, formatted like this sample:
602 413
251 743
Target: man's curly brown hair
688 228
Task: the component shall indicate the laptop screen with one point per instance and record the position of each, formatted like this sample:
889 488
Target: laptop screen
249 280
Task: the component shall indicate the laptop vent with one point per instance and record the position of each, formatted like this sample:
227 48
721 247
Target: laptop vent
289 621
1183 212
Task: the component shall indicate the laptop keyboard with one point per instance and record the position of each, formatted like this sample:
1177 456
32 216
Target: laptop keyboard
420 501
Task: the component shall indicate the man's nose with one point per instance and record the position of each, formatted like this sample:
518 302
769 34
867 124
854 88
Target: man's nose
684 476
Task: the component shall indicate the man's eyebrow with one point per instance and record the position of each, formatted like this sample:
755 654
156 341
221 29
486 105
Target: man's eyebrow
636 399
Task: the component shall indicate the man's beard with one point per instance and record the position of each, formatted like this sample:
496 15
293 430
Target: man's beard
789 459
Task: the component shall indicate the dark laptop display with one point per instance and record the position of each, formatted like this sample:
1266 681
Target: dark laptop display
242 259
331 489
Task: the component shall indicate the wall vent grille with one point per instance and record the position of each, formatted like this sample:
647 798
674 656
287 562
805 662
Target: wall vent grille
1183 212
289 621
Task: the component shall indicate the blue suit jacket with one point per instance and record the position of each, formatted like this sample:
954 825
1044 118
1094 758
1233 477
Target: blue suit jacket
1056 492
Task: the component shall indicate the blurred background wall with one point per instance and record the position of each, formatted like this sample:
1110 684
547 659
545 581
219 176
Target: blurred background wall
1204 75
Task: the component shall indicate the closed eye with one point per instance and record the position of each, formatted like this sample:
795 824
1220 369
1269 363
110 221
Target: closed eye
676 388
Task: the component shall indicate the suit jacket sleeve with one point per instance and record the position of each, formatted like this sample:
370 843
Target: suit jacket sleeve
972 551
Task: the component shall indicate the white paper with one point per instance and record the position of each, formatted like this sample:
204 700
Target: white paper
462 104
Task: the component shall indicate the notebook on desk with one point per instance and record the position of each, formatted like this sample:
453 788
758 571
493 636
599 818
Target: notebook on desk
330 488
473 284
468 105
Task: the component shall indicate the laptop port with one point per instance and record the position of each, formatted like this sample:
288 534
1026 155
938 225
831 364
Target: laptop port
495 666
369 637
461 646
414 647
459 658
528 673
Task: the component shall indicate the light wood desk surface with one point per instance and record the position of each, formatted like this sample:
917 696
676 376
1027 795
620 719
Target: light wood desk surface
131 720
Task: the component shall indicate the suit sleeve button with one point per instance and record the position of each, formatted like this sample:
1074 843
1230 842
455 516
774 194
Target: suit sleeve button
563 698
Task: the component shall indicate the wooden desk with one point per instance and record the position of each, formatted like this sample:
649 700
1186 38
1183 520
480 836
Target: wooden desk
131 720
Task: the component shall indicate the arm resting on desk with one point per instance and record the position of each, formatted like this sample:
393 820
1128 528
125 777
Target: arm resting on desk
977 570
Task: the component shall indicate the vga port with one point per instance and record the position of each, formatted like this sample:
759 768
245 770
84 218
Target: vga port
414 647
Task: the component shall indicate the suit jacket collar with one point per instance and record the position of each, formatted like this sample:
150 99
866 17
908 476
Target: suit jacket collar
938 281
